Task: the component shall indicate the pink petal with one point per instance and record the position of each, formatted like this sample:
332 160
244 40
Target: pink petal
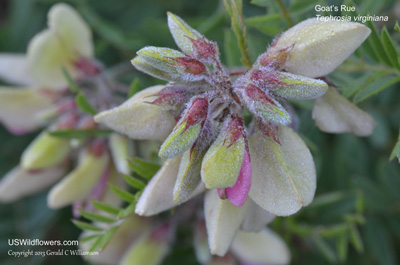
237 194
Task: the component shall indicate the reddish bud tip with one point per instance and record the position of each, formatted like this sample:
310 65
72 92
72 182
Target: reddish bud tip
267 79
191 66
197 112
256 93
204 49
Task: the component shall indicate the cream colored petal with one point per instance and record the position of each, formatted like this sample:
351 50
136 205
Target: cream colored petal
150 249
223 221
46 56
14 69
320 47
335 114
72 30
79 182
19 183
139 120
256 218
158 194
284 177
119 146
45 151
129 231
21 108
265 247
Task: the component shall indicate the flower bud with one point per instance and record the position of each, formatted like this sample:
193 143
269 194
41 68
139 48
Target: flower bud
142 65
138 119
265 247
182 33
19 183
150 249
187 129
335 114
161 58
222 220
284 177
21 109
319 46
237 194
45 151
288 85
223 161
80 181
261 104
188 175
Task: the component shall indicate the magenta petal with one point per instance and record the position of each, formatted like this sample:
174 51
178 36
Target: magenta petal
237 195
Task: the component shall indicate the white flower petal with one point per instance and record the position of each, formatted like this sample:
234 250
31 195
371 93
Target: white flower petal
158 194
45 151
19 183
223 220
46 56
79 182
72 30
138 119
256 218
14 69
320 47
284 177
335 114
20 109
119 146
265 247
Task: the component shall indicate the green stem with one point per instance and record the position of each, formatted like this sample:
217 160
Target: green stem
285 13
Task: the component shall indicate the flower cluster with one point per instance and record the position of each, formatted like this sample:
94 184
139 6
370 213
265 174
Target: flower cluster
248 168
43 99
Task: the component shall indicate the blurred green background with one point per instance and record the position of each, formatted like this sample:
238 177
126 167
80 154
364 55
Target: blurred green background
355 218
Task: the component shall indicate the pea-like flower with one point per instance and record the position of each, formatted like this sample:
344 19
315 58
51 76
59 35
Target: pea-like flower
212 147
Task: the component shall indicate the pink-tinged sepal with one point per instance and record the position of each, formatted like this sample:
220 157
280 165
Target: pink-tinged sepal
276 59
264 106
171 97
190 65
204 50
87 66
268 129
267 78
187 129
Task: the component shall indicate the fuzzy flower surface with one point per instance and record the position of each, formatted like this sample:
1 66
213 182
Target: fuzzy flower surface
203 113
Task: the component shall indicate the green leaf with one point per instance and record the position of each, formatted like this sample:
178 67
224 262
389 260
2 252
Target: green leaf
375 87
105 207
124 195
377 44
262 3
342 246
143 168
397 27
96 217
301 6
333 231
134 87
390 48
103 240
84 104
355 239
73 86
134 182
79 134
88 238
86 226
268 24
396 151
324 248
355 85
